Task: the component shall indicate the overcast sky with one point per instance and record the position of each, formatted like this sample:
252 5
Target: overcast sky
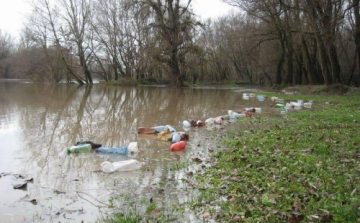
12 12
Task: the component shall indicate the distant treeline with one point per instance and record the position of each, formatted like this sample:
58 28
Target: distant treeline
265 42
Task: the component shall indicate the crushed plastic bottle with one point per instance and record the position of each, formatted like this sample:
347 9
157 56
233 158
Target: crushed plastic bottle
83 148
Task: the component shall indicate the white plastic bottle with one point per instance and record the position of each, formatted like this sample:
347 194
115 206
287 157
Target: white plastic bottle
133 148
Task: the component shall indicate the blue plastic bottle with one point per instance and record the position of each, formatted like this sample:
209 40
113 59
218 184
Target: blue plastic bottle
119 150
159 128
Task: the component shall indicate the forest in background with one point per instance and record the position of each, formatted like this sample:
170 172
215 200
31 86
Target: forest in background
263 42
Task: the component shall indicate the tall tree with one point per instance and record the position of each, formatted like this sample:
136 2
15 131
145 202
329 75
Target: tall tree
173 23
6 45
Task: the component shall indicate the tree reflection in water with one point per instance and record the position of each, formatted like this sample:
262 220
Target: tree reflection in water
51 118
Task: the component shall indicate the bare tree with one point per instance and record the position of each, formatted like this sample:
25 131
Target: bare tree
173 23
6 45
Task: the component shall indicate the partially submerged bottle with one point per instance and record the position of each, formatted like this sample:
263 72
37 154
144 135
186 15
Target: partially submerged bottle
118 150
83 148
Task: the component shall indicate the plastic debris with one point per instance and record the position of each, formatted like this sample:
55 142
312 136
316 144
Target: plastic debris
126 165
178 146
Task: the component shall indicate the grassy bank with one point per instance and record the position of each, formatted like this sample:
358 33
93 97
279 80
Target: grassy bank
302 167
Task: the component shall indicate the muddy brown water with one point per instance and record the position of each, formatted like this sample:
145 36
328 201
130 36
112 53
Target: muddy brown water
39 122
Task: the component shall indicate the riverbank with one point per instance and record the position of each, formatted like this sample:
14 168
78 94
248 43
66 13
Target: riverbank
303 167
299 167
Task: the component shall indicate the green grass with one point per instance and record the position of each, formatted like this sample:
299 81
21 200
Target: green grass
304 164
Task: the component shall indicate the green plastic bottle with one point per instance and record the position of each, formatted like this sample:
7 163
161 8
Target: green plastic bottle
79 149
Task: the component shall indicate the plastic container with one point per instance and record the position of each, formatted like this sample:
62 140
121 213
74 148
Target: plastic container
93 145
175 137
126 165
260 98
307 105
172 129
159 128
209 121
186 123
257 110
79 149
280 106
234 115
178 146
120 150
219 120
274 98
133 148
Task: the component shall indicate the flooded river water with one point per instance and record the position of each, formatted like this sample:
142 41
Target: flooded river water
39 122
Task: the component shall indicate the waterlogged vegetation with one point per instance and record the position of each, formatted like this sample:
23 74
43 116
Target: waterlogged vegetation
302 167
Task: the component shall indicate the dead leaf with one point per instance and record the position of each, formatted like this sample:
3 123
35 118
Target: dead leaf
296 205
236 218
205 214
196 159
295 218
232 200
326 218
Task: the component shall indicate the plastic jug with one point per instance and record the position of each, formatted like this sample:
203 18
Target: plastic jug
83 148
120 150
125 165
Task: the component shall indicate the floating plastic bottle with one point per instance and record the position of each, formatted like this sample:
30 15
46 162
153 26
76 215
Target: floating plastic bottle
307 104
172 129
83 148
280 106
209 121
234 115
260 98
257 110
274 98
186 123
120 150
175 137
126 165
131 149
159 128
93 145
178 146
